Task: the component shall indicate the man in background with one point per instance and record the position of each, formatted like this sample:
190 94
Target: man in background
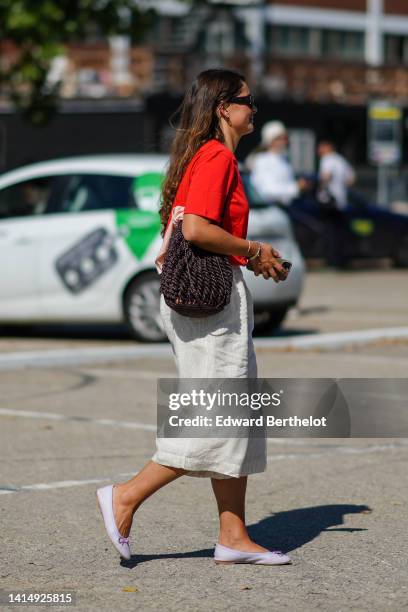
272 175
335 174
335 177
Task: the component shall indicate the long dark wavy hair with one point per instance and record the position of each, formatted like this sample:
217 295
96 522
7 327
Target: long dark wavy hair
198 123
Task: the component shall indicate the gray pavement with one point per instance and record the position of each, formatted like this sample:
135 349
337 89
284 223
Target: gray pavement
338 506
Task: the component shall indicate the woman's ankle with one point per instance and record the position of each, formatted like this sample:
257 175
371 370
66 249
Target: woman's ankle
234 541
126 497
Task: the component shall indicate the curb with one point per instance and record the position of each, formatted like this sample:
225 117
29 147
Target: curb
333 340
78 356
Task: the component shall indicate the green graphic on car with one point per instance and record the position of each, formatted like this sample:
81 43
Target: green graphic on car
95 253
140 227
147 190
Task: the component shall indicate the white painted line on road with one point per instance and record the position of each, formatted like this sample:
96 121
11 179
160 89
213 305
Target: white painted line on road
33 414
336 450
131 373
78 356
62 484
343 450
43 486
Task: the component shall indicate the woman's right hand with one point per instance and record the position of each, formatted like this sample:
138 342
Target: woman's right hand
267 264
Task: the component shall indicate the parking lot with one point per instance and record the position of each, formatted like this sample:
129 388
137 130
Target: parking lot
338 506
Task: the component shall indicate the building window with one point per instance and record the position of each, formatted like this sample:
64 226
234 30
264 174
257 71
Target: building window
220 39
396 49
288 40
343 45
293 41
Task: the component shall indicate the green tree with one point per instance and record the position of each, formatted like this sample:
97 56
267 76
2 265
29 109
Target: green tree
40 28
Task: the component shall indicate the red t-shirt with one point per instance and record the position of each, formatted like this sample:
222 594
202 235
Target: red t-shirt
212 187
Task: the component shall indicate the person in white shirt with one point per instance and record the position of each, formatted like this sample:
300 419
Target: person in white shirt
335 174
335 177
272 175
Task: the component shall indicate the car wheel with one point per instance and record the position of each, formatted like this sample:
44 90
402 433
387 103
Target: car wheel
401 255
269 321
141 309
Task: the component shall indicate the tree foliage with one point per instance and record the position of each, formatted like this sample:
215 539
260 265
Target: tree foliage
39 29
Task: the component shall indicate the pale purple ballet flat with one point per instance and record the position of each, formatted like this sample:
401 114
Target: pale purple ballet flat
223 554
105 499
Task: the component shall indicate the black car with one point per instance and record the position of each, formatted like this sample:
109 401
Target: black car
362 230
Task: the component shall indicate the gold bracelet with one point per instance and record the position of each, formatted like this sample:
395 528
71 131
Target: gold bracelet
249 248
256 254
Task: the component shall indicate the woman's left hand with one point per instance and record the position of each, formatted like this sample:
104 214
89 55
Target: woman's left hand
268 264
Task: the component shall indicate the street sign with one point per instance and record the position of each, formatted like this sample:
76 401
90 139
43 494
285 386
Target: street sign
384 133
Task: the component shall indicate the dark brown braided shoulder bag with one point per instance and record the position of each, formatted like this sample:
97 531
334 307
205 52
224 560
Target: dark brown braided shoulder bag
194 282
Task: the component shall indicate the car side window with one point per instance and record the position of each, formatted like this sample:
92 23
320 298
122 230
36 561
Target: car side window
76 193
28 198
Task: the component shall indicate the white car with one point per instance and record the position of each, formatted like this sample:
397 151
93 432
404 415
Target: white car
78 239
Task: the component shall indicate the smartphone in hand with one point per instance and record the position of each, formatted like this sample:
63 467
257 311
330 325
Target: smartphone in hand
285 263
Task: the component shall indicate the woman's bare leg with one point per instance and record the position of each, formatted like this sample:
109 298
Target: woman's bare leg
230 496
127 496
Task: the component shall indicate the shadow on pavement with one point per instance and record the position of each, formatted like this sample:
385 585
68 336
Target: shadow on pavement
292 529
285 531
109 332
70 332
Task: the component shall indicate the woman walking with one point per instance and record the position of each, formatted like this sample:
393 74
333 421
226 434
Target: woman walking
204 183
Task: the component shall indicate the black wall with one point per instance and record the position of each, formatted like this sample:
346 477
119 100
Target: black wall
81 133
73 134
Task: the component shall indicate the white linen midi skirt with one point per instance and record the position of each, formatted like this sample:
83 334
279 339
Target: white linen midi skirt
218 346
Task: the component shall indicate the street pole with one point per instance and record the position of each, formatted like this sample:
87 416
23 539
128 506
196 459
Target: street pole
382 185
256 33
374 53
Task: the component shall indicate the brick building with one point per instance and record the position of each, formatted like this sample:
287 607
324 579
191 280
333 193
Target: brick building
308 50
313 50
343 50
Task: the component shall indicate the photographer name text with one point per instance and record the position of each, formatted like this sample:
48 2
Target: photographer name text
260 421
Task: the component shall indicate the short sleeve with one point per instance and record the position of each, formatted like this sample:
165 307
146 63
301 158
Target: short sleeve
211 180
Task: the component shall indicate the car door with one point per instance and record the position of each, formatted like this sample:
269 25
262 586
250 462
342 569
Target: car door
21 232
83 259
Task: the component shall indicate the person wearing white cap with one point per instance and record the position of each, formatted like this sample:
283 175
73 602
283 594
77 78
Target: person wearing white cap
271 173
